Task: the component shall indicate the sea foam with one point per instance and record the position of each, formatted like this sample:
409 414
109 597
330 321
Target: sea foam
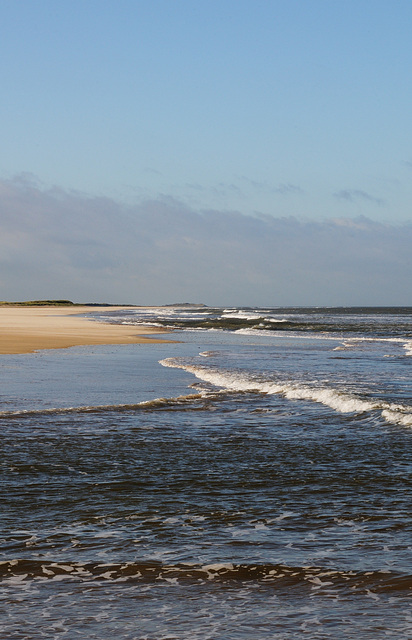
340 401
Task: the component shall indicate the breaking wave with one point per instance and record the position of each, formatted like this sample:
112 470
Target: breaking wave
342 402
157 403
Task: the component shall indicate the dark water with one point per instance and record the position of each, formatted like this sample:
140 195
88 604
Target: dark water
261 489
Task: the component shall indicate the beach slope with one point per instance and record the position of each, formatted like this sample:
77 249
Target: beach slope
29 329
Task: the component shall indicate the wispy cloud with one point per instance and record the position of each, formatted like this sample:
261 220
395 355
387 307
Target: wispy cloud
220 189
267 187
152 170
353 195
55 243
288 189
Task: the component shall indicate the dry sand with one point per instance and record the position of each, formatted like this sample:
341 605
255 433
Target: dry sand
28 329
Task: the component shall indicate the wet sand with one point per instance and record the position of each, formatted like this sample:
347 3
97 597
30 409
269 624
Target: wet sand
28 329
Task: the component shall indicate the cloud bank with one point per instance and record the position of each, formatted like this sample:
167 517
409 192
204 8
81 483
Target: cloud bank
60 244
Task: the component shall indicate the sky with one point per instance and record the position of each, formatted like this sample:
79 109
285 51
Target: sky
241 152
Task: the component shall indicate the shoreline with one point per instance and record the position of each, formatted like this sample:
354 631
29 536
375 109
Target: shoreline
27 329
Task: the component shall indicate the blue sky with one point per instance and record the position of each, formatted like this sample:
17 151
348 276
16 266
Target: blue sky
278 108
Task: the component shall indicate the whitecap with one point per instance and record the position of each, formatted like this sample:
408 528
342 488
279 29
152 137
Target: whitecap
340 401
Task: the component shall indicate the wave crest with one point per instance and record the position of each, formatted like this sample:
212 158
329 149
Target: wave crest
337 400
275 575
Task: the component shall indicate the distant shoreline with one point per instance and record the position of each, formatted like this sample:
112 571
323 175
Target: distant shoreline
61 303
30 327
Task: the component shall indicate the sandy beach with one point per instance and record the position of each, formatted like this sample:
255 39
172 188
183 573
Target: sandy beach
29 329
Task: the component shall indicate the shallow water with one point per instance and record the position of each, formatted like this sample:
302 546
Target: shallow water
261 489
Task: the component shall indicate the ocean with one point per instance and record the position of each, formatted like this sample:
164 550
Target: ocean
250 479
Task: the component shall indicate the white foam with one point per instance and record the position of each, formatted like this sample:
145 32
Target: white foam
346 344
254 332
209 354
286 334
398 417
340 401
243 315
406 345
213 569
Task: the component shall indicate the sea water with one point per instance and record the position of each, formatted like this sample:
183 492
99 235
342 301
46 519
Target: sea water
251 479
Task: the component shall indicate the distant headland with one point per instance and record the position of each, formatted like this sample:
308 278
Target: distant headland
69 303
60 303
